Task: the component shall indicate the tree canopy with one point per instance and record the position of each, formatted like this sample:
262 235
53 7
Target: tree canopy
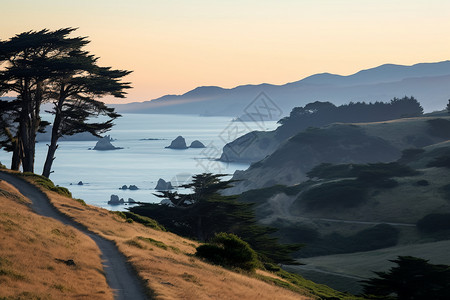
317 114
411 278
205 212
50 66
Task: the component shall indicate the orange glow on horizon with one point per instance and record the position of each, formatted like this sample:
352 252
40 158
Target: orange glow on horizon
175 46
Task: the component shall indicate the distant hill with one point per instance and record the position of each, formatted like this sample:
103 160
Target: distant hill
427 82
340 143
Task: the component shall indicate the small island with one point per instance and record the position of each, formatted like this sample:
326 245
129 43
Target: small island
105 144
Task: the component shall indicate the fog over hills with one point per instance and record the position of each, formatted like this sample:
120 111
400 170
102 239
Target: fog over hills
427 82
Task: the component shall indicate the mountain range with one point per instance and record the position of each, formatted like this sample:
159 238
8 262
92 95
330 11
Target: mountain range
427 82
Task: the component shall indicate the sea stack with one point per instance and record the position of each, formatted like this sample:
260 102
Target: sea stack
197 144
162 185
105 144
178 143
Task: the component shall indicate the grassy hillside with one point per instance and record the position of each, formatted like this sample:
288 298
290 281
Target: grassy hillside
353 218
340 143
164 261
35 254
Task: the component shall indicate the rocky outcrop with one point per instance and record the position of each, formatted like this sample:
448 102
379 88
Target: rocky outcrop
114 200
105 144
132 187
197 144
162 185
250 147
178 143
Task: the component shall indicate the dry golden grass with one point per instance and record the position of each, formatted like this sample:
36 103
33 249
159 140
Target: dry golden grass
166 262
30 246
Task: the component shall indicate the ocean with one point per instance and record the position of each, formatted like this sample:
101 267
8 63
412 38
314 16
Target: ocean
144 158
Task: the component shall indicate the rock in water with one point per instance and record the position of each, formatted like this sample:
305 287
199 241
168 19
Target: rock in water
80 183
105 144
115 200
178 143
162 185
197 144
124 187
133 187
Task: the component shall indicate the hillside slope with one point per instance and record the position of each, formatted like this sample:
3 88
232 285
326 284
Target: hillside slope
340 143
35 255
163 260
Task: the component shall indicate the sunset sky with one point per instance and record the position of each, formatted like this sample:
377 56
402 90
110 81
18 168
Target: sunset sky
175 46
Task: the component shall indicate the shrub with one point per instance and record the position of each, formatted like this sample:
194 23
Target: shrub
376 237
422 182
440 162
409 155
148 222
434 222
339 194
366 172
439 128
446 191
227 249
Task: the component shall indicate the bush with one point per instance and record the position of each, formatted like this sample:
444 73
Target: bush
366 172
439 128
422 182
446 191
434 222
227 249
440 162
409 155
377 237
146 221
339 194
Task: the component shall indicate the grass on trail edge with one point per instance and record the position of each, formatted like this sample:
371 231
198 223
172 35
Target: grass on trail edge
48 184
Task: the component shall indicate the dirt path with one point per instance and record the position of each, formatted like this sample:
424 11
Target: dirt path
119 275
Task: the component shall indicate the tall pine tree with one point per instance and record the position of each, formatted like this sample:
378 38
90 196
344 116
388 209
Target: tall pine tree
205 212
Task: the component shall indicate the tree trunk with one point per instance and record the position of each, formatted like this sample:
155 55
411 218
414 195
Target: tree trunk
55 136
52 147
25 132
16 160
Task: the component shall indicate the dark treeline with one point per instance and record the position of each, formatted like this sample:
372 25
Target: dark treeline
318 114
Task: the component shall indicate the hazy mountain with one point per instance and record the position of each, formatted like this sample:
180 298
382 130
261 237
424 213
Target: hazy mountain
428 82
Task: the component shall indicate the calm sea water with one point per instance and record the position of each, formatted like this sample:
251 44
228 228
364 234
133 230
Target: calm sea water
142 161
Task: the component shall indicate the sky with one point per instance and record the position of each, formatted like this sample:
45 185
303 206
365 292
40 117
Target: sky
175 46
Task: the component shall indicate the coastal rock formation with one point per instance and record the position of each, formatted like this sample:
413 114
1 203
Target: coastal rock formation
162 185
105 144
114 200
197 144
178 143
132 187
